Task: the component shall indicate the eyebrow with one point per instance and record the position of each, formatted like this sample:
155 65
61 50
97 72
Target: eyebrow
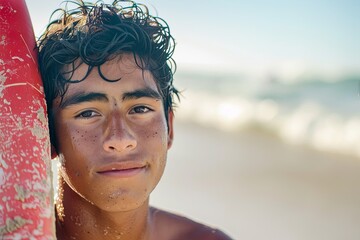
140 93
82 97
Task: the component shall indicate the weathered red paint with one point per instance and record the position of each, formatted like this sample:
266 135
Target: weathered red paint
26 207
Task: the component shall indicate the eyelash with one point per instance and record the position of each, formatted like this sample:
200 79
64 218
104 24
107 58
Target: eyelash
147 109
135 110
93 114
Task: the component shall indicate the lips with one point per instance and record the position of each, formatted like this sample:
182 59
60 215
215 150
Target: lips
122 169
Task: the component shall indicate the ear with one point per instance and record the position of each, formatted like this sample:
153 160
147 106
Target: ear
53 152
170 128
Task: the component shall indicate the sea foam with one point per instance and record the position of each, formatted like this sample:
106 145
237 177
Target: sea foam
306 123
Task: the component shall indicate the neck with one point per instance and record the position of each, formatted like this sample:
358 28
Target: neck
83 220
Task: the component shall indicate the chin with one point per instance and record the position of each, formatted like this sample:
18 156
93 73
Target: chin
122 200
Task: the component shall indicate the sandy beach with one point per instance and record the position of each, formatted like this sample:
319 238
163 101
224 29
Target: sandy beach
253 186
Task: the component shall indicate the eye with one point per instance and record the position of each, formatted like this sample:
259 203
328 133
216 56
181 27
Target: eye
140 110
87 114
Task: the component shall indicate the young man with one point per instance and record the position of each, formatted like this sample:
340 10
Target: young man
108 72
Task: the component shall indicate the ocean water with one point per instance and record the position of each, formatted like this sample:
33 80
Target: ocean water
317 112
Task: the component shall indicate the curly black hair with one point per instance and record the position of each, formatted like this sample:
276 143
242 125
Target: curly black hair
94 33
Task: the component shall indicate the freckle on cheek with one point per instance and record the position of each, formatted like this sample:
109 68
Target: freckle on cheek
94 138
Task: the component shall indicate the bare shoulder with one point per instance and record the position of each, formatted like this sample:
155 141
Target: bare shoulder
171 226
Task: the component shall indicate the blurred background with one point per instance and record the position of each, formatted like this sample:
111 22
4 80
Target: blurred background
267 137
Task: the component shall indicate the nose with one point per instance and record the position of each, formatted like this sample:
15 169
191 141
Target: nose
118 136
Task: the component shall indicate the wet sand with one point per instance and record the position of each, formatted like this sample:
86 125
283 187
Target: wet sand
253 186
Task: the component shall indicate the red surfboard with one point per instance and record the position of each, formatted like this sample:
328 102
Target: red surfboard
26 198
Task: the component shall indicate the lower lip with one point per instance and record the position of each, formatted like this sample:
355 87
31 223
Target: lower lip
126 173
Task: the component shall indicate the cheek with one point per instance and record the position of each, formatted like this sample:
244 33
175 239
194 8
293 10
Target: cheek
157 135
155 143
79 138
83 139
76 144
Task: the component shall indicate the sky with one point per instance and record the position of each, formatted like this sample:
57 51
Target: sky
283 37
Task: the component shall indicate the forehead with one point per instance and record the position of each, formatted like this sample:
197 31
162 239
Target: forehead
122 72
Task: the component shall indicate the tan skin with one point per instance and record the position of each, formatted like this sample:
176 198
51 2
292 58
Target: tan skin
113 139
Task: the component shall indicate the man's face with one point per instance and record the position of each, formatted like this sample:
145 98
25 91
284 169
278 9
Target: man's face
112 136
